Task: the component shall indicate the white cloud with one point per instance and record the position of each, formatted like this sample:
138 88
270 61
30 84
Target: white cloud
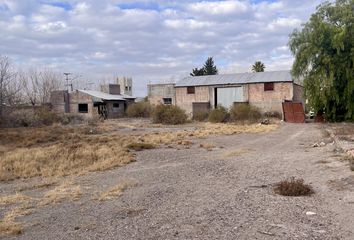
154 41
218 7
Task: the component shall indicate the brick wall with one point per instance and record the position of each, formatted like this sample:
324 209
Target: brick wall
269 100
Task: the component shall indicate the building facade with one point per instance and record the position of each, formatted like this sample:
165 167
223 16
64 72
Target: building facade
161 93
89 103
265 90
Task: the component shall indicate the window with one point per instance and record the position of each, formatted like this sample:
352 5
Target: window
268 86
190 90
115 105
126 88
167 101
83 108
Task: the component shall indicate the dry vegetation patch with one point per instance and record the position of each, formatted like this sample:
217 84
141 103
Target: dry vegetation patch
293 187
139 146
236 153
59 151
66 191
116 190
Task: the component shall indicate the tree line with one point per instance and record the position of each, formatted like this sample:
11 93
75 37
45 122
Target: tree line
209 68
30 86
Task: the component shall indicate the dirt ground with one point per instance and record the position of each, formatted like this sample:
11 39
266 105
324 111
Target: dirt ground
214 187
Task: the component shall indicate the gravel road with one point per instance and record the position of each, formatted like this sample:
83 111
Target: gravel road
225 193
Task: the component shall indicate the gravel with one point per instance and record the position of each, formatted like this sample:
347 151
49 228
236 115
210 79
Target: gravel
198 194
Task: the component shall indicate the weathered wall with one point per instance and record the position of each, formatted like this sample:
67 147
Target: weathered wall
77 97
157 92
114 112
57 100
269 100
185 101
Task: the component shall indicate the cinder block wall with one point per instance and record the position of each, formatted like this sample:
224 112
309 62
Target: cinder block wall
270 100
185 101
76 98
157 92
57 101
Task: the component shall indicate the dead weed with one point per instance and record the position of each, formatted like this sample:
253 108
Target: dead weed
293 187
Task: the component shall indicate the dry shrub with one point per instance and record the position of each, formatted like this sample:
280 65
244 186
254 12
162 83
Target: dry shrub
139 110
218 115
116 191
245 112
293 187
273 114
201 116
169 114
9 225
31 117
138 146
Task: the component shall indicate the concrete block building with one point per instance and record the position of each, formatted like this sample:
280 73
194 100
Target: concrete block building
90 103
161 93
265 90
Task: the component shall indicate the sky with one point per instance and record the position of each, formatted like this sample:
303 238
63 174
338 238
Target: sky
150 41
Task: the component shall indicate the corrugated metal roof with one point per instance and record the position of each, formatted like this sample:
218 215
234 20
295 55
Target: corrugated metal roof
237 78
105 96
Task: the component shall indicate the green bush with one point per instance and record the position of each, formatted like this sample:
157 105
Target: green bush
245 112
139 110
201 116
218 115
169 114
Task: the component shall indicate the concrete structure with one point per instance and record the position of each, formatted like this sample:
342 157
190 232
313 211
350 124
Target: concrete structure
161 93
91 103
265 90
126 85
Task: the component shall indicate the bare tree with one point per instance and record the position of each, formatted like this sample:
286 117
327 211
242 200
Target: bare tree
39 84
10 87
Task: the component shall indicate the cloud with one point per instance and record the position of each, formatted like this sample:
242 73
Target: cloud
150 40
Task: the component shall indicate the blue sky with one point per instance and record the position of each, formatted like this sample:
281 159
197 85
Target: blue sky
151 41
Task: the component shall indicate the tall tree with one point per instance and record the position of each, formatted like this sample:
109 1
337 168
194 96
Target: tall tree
197 72
209 68
324 59
258 66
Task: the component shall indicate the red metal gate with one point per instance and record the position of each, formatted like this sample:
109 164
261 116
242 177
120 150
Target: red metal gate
293 112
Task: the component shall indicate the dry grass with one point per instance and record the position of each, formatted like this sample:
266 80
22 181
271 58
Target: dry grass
115 191
236 153
139 146
13 199
9 225
207 146
66 191
293 187
59 151
71 150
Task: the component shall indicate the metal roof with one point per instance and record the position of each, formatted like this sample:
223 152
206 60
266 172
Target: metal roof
236 78
106 96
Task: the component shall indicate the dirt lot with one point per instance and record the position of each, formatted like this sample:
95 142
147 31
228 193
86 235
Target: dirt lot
201 186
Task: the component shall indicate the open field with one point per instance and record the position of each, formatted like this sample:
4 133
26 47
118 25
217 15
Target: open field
50 158
200 181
